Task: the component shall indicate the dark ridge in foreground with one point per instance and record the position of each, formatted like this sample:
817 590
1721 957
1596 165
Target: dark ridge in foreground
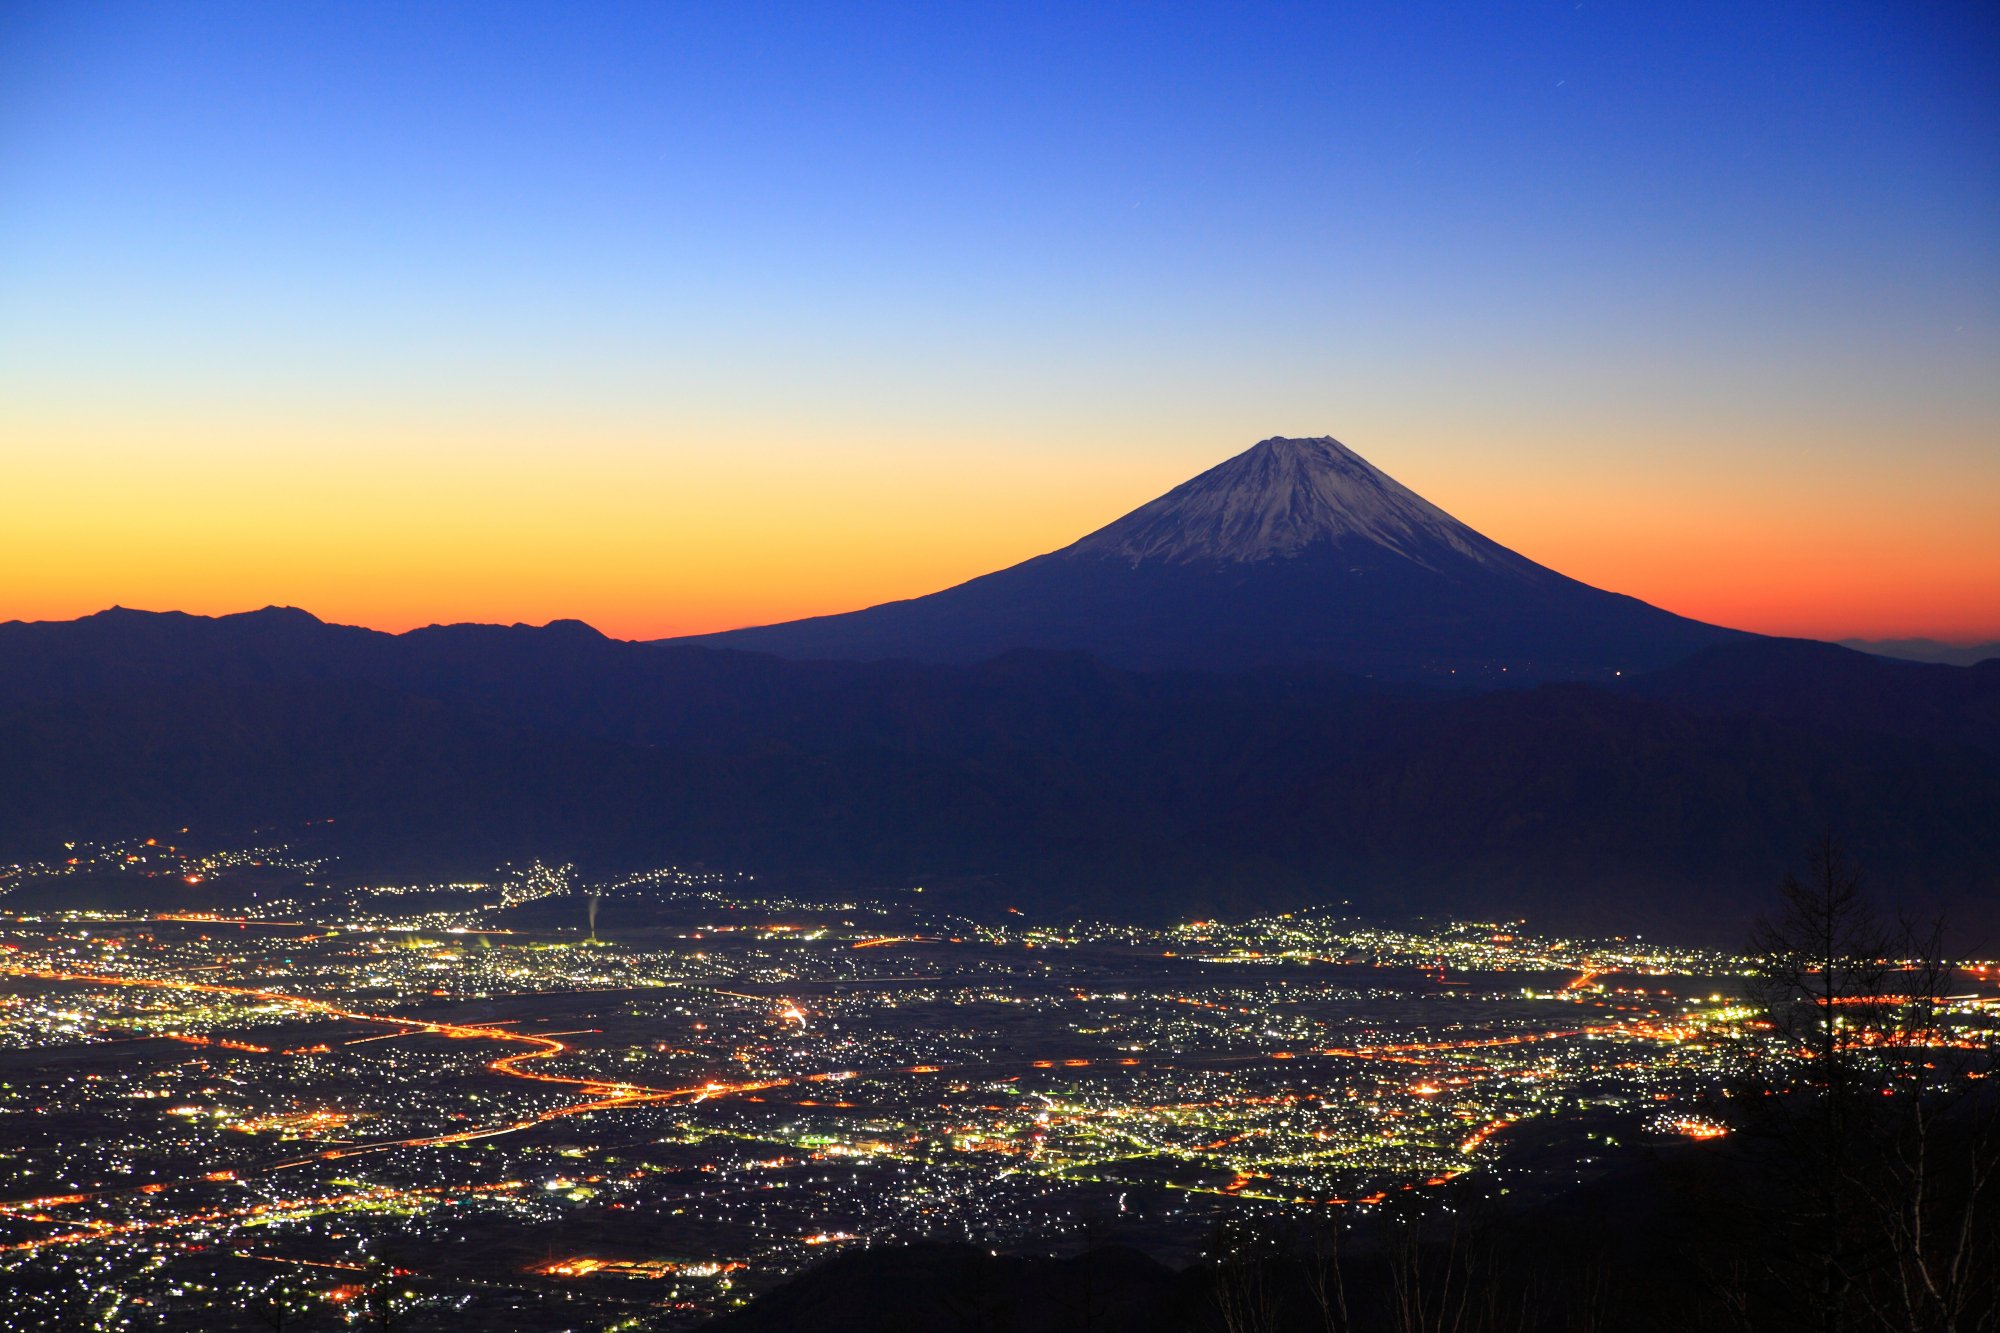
924 1287
1683 1239
1053 779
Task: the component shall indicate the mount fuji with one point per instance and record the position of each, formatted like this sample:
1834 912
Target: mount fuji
1294 551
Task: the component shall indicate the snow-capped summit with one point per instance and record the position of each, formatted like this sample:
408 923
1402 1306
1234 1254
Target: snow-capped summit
1279 498
1296 550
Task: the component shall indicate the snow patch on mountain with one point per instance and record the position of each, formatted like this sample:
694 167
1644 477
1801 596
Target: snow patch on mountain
1283 496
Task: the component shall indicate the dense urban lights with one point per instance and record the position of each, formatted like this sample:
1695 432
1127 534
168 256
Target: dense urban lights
482 1098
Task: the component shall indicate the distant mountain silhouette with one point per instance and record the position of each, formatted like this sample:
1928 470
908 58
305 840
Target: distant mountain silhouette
1927 650
1296 550
1671 802
1828 687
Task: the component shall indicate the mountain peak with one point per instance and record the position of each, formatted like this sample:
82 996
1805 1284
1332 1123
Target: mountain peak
1293 551
1282 497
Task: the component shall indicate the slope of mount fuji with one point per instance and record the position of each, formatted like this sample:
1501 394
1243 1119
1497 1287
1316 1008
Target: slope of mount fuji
1297 550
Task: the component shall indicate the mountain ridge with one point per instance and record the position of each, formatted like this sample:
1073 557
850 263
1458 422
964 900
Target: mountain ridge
1927 650
1065 782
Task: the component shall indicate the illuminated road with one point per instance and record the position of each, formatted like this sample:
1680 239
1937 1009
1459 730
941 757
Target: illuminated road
259 1212
598 1094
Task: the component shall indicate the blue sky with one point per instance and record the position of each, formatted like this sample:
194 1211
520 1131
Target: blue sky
1541 261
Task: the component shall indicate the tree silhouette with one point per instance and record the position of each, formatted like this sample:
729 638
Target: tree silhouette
1883 1127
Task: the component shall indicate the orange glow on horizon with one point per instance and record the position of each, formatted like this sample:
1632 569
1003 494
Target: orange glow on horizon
643 537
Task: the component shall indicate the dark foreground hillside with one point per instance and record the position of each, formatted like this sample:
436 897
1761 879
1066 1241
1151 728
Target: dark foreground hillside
1712 1239
1657 805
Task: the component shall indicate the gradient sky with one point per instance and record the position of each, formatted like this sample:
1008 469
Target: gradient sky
673 317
